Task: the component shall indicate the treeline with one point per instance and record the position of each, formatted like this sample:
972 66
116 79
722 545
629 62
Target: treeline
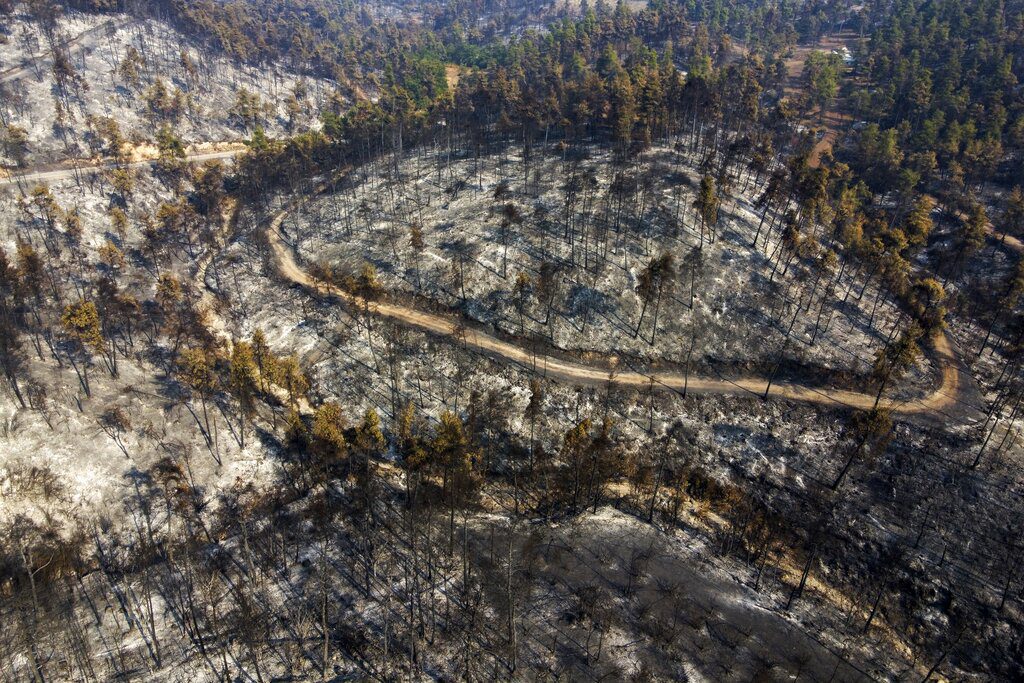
354 43
938 85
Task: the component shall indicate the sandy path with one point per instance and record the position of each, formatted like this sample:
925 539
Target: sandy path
65 173
942 397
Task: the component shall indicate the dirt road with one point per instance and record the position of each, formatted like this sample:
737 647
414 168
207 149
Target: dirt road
54 175
942 397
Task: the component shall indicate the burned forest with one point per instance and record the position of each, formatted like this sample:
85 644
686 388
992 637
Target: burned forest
511 340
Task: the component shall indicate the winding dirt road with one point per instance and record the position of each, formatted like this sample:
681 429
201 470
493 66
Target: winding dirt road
941 398
944 396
